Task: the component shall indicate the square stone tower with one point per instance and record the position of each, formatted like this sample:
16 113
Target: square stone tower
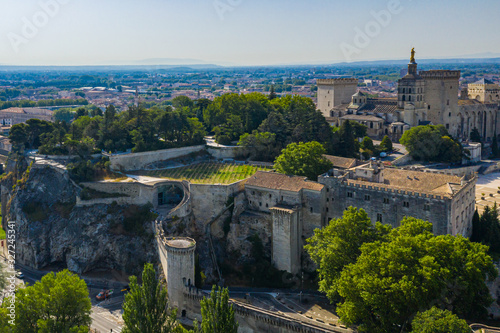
334 92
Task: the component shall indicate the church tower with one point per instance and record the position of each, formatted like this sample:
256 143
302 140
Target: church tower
411 87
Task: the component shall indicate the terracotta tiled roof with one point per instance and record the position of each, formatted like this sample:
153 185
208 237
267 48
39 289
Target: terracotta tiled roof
361 117
376 105
420 181
278 181
468 102
341 162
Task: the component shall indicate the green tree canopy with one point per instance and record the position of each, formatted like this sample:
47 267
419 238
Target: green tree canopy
432 143
57 303
386 144
145 309
436 320
303 159
218 313
486 229
338 245
401 273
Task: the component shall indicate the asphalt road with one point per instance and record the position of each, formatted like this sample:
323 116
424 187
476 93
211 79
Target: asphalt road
100 312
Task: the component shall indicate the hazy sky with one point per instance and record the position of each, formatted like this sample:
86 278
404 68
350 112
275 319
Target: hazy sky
242 32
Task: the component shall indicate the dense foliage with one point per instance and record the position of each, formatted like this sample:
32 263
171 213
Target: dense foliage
432 143
385 283
436 320
486 228
137 129
217 313
57 303
264 126
145 309
303 159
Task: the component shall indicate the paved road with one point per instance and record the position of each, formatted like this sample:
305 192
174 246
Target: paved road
102 322
103 314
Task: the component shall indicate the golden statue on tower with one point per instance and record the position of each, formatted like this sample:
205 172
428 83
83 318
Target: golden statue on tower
412 59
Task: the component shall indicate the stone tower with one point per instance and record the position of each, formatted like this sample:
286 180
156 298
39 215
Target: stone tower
179 272
441 97
334 92
411 89
286 244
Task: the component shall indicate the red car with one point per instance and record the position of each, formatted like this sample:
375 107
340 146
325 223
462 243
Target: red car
104 294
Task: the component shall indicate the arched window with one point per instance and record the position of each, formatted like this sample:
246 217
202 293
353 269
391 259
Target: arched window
409 90
409 98
404 98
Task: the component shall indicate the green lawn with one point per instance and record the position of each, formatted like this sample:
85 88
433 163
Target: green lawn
208 173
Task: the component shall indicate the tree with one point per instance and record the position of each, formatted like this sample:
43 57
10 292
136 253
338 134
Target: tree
338 245
145 309
386 144
432 143
57 303
475 136
494 146
272 93
303 159
261 146
217 313
436 320
392 280
486 229
347 145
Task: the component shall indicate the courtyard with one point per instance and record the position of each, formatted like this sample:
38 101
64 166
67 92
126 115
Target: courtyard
489 185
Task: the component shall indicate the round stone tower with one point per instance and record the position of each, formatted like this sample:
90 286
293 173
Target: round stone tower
180 267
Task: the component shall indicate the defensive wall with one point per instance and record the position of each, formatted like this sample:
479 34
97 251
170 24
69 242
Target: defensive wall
136 161
135 193
178 268
225 152
208 200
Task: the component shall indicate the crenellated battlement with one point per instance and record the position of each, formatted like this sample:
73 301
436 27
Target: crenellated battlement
440 74
353 184
339 81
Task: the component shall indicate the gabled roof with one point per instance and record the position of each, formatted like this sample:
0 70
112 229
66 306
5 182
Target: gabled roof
377 105
342 162
483 81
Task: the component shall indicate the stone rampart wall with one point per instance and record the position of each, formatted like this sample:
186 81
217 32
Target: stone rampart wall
137 161
225 152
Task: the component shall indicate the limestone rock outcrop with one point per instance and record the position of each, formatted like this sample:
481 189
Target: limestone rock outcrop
52 231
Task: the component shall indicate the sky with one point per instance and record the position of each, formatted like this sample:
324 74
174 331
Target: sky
243 32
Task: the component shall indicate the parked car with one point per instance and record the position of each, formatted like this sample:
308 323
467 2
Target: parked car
104 294
20 275
383 154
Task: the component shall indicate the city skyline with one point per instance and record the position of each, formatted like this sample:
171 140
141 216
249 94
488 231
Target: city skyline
240 32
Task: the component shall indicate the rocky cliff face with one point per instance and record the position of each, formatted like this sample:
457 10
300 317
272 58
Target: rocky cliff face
52 231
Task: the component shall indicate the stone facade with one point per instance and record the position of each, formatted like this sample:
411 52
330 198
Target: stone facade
296 208
334 92
388 195
425 97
